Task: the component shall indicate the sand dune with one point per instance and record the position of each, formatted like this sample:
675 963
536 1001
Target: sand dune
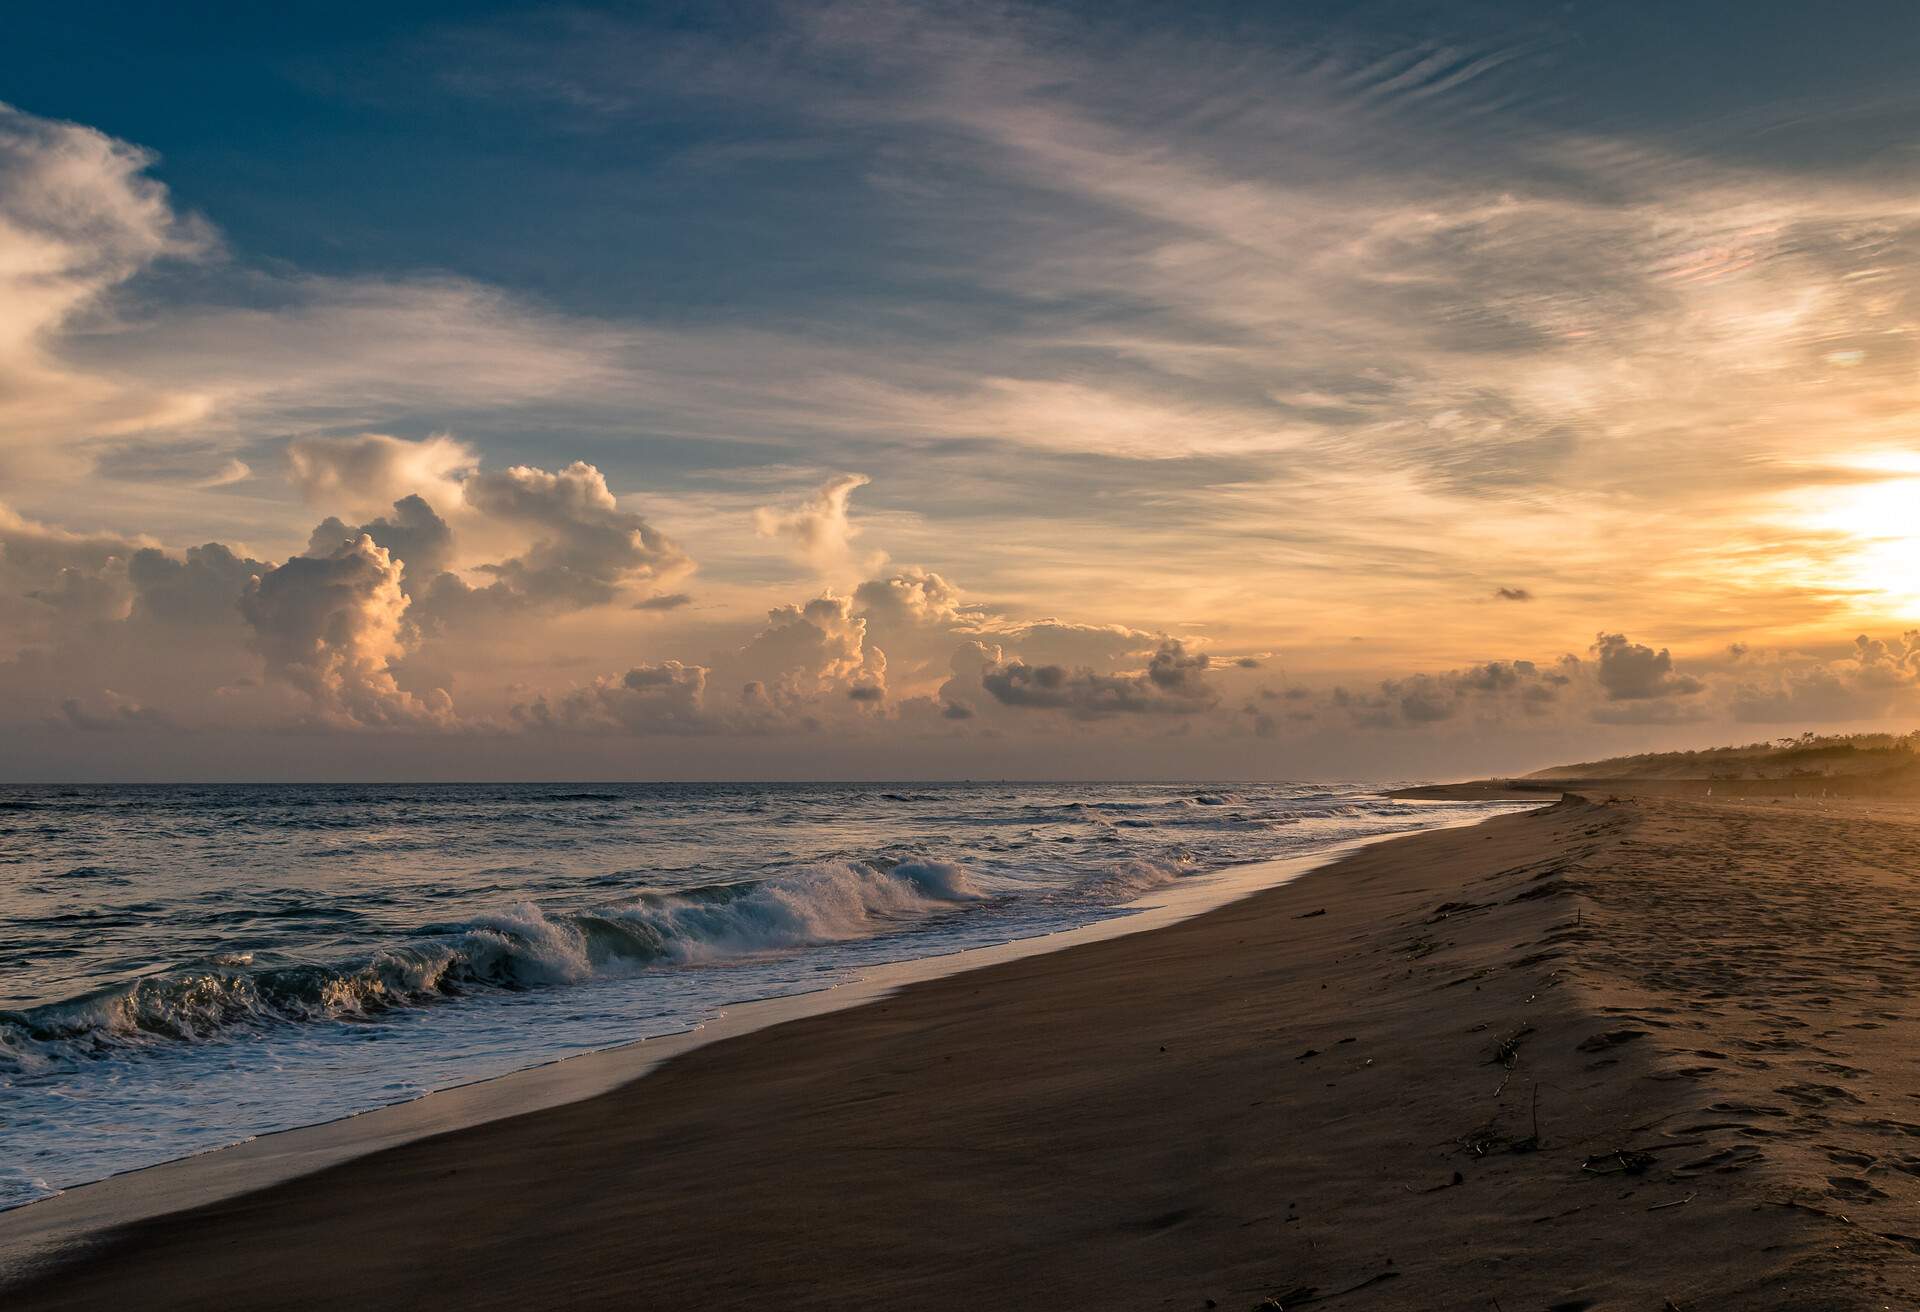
1639 1053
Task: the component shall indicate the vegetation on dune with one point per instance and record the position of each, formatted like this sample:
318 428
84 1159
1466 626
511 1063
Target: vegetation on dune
1808 756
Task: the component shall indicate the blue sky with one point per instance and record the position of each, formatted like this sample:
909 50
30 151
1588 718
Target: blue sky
499 142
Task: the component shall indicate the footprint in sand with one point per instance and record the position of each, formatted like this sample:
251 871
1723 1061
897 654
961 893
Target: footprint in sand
1816 1095
1749 1109
1852 1188
1727 1159
1609 1039
1687 1073
1836 1068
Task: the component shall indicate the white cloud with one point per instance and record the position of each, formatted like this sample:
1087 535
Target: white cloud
330 627
584 551
803 651
370 471
413 534
819 530
78 218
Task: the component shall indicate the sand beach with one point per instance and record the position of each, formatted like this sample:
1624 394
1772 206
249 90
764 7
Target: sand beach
1614 1053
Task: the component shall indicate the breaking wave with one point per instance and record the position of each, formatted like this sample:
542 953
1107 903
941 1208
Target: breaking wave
521 947
1130 879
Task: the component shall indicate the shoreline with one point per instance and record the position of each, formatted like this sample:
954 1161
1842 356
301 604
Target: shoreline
46 1232
1641 1052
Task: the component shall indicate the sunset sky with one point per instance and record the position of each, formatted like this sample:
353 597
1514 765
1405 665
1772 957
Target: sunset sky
885 390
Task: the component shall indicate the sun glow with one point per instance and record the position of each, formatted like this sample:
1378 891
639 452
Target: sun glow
1877 530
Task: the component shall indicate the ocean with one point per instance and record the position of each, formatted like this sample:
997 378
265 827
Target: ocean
185 967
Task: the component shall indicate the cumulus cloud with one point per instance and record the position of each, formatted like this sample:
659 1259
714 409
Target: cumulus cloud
907 645
806 650
414 534
586 549
330 627
367 472
200 589
909 599
907 626
665 698
964 693
338 625
1180 673
582 550
81 614
35 552
342 622
869 686
1174 683
1875 679
1490 690
915 616
808 665
1631 671
78 594
50 576
818 530
576 547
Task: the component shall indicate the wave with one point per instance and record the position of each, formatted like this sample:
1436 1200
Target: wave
519 947
524 945
1130 879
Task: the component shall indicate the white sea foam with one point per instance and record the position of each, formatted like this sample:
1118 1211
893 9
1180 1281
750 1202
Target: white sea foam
519 946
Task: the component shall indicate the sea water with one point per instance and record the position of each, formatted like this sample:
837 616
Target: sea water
184 967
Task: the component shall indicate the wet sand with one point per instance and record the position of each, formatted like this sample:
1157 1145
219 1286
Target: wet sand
1621 1055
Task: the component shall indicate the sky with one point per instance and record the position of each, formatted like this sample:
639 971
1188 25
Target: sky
880 390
